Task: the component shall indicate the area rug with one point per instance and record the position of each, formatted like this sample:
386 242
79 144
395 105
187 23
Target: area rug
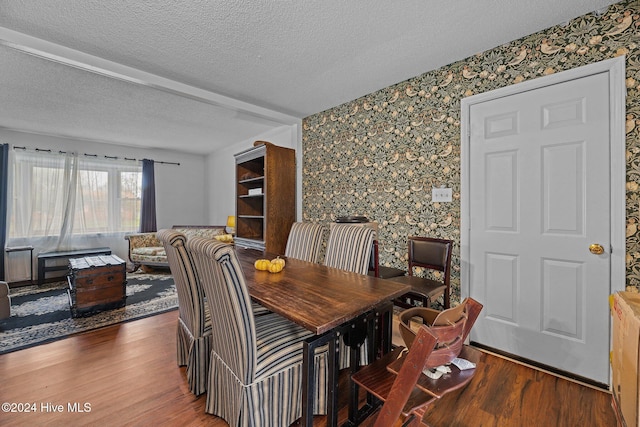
41 314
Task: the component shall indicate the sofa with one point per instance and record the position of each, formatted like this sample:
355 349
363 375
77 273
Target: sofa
146 250
5 301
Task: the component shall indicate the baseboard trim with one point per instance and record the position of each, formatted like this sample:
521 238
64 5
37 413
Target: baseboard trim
544 368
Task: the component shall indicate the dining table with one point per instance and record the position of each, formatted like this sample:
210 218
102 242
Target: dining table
331 303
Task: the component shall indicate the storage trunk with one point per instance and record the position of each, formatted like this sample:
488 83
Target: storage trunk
96 284
625 356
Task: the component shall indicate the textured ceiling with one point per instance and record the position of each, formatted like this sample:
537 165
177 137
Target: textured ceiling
210 73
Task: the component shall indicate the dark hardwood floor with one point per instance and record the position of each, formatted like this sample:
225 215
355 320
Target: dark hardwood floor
128 376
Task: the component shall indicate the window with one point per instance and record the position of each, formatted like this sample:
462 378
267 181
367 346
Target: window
58 194
130 199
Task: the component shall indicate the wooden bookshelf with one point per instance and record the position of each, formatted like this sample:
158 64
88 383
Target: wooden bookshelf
265 197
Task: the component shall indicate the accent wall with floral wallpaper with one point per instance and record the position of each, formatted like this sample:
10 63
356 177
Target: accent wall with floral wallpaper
380 155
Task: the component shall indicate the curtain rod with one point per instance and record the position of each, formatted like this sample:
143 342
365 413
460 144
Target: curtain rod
95 155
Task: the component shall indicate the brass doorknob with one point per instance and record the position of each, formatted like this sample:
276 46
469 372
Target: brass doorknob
596 249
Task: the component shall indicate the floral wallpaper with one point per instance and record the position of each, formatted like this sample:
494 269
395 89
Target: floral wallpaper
381 154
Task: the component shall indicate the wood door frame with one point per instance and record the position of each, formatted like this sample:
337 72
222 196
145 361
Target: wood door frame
615 68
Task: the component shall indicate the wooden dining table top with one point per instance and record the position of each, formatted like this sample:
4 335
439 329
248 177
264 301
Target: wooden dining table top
314 296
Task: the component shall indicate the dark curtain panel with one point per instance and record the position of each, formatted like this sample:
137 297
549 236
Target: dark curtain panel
4 187
148 208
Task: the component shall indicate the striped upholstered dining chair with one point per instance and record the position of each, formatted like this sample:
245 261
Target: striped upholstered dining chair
194 322
256 361
349 248
305 240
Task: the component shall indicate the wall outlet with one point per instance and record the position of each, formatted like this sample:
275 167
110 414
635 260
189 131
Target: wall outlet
441 195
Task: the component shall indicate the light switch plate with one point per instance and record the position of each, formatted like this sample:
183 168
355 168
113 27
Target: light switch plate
441 195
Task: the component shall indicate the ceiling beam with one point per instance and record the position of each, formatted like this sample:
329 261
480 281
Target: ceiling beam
93 64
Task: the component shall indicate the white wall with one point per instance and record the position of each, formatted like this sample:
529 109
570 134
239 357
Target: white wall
198 192
181 196
221 171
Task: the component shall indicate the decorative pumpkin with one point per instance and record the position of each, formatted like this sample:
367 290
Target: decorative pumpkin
224 238
262 264
278 260
275 267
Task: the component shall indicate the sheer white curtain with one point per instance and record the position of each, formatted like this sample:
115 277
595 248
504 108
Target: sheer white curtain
61 201
37 196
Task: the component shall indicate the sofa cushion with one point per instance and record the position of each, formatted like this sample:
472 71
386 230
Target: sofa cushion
151 251
150 259
207 233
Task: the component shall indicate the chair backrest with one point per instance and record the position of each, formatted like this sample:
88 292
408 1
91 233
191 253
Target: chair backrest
374 262
349 248
407 379
305 240
451 327
431 253
233 326
191 303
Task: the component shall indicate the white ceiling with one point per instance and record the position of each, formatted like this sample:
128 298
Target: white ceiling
197 75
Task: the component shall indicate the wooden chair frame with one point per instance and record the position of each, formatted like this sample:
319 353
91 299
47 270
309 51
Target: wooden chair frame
425 289
397 379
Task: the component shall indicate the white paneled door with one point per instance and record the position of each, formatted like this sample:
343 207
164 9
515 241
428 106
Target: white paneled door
540 226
